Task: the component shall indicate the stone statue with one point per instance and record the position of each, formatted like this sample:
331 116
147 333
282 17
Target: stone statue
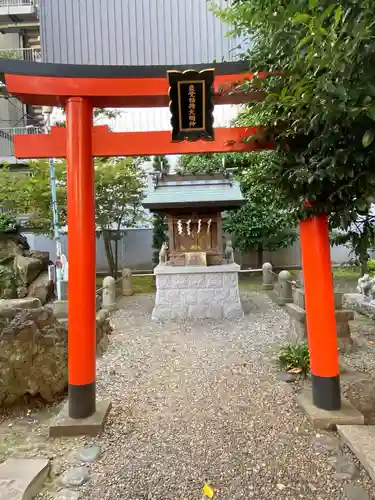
163 254
365 286
228 252
64 262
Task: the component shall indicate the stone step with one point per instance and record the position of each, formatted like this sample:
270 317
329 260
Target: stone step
361 440
22 478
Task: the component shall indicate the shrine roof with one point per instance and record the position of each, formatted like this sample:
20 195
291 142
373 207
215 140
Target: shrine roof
177 191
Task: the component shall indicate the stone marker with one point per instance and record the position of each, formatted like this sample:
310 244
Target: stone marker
127 285
77 476
21 478
89 453
267 276
285 287
109 293
361 440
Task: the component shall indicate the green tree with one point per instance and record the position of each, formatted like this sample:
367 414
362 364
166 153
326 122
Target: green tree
262 223
160 231
29 193
320 103
119 184
359 236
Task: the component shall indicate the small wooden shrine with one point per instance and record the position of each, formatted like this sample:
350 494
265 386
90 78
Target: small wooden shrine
193 206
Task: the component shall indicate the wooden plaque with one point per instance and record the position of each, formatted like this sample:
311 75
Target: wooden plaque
191 104
195 259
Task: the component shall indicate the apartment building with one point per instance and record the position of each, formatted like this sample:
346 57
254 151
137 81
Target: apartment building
19 39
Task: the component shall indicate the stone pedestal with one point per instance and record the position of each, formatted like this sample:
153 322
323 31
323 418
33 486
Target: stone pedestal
298 327
197 292
360 304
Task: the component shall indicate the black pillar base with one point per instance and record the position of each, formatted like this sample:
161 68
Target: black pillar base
82 400
326 392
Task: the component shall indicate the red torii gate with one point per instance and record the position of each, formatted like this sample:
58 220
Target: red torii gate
79 88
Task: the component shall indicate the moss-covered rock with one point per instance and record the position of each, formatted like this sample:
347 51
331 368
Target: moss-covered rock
8 283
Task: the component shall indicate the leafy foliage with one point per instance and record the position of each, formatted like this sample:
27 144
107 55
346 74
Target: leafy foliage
320 103
30 194
262 223
118 195
295 358
360 236
371 266
8 223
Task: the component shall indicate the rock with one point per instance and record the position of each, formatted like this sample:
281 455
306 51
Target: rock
287 377
27 269
322 444
11 244
66 494
8 283
345 469
42 256
33 347
89 453
20 304
353 492
21 292
42 288
77 476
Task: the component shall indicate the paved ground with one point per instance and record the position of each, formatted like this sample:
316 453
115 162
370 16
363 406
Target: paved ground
202 402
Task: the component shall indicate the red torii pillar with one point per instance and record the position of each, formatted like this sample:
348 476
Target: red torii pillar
79 89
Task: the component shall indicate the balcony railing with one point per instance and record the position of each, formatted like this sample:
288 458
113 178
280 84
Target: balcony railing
21 54
6 138
18 3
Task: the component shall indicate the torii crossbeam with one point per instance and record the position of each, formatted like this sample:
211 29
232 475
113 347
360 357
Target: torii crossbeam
79 89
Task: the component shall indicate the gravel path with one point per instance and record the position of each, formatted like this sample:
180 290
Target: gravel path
198 402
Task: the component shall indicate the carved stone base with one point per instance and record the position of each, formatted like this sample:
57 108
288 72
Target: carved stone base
197 293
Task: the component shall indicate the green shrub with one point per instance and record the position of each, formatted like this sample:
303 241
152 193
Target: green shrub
8 223
371 266
296 358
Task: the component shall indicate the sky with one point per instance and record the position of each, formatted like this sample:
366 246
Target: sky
148 119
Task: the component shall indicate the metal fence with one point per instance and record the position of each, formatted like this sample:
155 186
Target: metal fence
18 3
28 54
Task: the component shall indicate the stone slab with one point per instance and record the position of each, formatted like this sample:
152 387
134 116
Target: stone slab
354 492
21 478
224 268
296 312
299 298
361 440
64 426
324 419
26 303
